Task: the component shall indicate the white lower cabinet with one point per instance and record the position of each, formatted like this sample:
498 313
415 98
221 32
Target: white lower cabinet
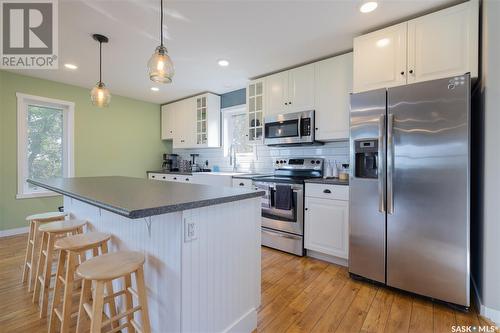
326 228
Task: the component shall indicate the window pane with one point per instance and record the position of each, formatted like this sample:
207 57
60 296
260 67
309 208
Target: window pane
45 142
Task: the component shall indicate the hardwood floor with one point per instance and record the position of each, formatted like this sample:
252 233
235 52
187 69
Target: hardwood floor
298 295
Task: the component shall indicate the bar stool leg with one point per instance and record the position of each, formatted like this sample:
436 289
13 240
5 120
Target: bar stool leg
68 291
29 249
143 299
129 302
41 256
36 235
109 288
84 298
57 291
47 275
97 307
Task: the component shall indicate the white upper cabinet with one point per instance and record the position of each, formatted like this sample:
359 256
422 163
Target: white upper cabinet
301 88
437 45
333 83
380 59
276 93
255 109
196 122
290 91
167 122
444 43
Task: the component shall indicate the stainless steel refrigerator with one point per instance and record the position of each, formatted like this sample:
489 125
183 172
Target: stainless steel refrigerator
409 188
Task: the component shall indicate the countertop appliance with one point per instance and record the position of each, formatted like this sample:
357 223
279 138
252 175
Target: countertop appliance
170 162
409 188
283 204
295 128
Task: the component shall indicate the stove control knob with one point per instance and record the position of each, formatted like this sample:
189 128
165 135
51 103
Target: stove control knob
318 162
312 162
277 162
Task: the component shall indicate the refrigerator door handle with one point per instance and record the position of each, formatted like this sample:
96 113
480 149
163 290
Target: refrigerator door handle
390 164
381 164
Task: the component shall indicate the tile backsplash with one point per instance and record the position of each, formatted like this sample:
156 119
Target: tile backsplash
261 160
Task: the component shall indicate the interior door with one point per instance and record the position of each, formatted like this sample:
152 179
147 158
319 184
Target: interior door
366 195
444 43
380 59
428 215
301 88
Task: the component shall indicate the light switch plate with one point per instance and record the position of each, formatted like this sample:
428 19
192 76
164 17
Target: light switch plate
190 230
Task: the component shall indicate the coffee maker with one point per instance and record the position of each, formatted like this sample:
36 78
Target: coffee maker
170 162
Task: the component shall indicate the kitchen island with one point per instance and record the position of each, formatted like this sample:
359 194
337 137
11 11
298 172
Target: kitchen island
202 245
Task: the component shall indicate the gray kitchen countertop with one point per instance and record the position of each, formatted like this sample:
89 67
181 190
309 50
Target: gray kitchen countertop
137 197
328 181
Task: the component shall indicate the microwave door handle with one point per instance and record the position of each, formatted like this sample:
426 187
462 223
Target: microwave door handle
300 127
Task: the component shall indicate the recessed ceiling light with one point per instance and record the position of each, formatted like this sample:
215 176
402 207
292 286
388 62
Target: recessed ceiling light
155 89
368 7
70 66
223 63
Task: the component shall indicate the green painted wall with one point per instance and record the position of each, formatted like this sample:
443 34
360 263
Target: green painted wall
123 139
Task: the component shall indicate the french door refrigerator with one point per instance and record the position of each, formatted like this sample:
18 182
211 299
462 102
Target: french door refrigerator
409 188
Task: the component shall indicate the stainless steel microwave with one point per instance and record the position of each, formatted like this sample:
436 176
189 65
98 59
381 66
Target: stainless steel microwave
289 129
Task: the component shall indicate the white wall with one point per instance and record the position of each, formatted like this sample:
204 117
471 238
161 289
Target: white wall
486 271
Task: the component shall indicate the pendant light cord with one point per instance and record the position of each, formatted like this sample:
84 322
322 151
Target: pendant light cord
161 23
100 62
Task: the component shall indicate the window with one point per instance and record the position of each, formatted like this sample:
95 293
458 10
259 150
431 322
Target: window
236 131
44 142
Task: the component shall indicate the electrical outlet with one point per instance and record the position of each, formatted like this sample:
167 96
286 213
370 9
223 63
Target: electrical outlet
190 230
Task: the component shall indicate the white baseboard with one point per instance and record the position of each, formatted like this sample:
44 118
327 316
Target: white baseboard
327 257
246 323
491 314
15 231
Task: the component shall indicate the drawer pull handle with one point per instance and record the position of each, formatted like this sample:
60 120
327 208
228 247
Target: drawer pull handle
163 177
175 178
241 184
327 191
187 179
153 176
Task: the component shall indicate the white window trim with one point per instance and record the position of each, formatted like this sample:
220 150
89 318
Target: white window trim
68 132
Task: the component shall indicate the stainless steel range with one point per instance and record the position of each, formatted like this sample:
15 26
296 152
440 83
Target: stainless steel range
283 204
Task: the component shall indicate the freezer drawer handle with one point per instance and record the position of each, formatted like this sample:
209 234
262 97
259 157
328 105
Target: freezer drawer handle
390 164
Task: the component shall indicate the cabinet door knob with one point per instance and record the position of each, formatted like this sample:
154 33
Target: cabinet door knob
402 73
316 128
306 208
241 184
286 103
153 176
175 178
411 71
187 179
327 191
290 103
163 177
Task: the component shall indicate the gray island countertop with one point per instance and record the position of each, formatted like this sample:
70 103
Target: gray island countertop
138 197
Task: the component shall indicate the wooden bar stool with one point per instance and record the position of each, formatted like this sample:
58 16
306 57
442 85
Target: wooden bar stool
50 233
101 270
71 249
35 221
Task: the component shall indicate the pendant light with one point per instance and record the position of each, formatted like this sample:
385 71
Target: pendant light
160 66
100 94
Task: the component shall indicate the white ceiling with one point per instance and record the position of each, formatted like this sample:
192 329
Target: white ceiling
257 37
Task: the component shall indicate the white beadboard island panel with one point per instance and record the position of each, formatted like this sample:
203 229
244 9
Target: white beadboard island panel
209 284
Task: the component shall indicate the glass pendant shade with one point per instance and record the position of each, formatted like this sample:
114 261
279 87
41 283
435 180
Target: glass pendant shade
100 95
160 66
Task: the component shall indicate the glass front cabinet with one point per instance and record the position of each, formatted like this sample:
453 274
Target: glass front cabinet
255 104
